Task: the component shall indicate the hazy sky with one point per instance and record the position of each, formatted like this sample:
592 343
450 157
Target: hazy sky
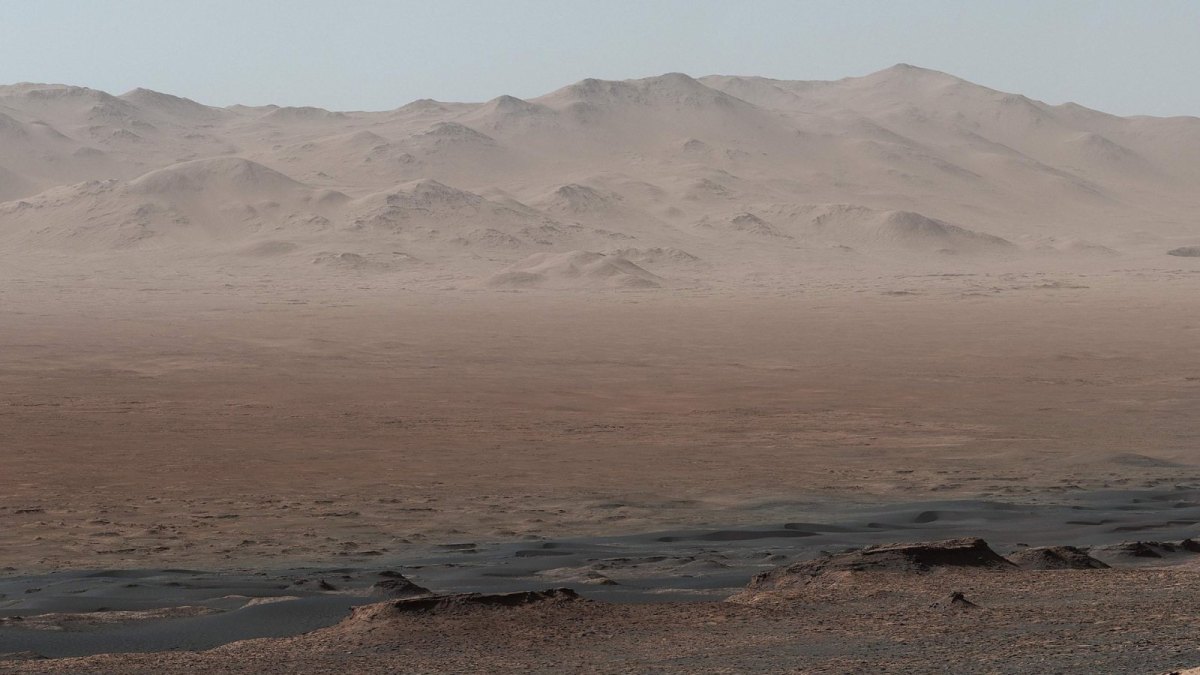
1123 57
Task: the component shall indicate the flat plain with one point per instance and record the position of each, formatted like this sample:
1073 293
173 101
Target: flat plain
205 425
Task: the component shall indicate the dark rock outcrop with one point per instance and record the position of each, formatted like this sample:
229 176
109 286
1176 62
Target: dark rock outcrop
956 601
915 557
433 603
1055 558
1151 549
383 614
396 585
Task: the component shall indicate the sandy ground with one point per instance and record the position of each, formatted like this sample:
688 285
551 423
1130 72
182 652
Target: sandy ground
173 422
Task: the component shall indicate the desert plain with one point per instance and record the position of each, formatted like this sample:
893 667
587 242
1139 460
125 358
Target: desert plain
642 339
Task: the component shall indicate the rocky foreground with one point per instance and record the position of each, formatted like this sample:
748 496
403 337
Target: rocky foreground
948 606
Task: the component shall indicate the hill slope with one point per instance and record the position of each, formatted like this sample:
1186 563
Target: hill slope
748 174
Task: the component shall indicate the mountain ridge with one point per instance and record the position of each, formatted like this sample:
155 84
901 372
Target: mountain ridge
734 170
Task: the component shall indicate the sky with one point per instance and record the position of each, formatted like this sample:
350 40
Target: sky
1121 57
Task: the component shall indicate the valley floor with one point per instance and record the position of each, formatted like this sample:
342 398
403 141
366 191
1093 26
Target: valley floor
236 422
183 422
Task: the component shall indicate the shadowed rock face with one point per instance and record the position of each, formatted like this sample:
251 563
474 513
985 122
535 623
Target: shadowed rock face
955 602
1055 558
396 585
916 557
370 617
468 600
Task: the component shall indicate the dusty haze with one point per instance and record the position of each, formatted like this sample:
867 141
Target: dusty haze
233 334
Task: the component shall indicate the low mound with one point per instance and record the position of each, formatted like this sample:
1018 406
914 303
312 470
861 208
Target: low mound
673 90
1102 155
267 249
371 262
708 189
1152 550
424 197
302 114
745 223
226 203
656 255
511 105
1072 246
1185 252
575 198
342 260
1144 461
156 101
908 229
99 619
488 238
510 115
602 208
900 231
432 211
440 208
1055 558
228 175
574 269
453 133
